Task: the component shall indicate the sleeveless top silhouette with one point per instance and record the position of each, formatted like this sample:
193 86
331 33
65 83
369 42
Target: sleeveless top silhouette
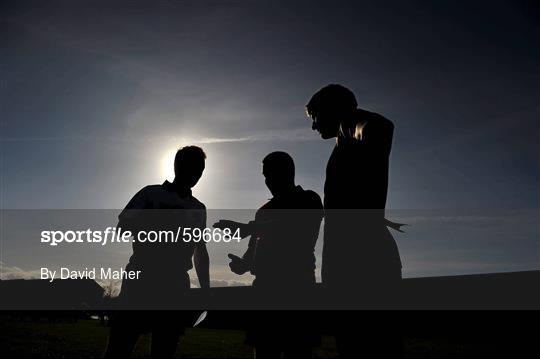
357 244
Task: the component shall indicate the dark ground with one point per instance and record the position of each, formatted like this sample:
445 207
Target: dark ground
23 337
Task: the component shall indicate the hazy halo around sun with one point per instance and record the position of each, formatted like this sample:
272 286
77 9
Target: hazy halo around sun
167 163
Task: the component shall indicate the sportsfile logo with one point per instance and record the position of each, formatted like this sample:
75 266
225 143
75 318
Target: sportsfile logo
117 235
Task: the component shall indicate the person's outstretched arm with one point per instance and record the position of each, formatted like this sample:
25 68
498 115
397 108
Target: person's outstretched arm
202 265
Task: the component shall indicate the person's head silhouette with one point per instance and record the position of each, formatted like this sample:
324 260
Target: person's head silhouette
329 108
188 166
278 171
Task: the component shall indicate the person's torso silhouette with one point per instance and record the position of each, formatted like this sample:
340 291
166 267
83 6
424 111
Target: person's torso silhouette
284 254
358 248
356 240
164 266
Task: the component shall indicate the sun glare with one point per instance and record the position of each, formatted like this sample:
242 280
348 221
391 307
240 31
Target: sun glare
167 164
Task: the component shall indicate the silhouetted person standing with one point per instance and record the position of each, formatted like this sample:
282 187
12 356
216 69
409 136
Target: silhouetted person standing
164 265
281 256
360 256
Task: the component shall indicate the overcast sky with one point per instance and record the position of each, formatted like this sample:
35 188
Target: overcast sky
95 98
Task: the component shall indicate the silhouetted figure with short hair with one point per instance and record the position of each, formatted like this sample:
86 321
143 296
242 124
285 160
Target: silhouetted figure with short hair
360 256
164 266
281 256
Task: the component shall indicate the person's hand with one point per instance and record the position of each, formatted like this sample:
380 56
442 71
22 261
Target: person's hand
238 265
233 226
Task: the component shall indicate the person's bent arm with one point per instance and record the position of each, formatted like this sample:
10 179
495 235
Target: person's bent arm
202 265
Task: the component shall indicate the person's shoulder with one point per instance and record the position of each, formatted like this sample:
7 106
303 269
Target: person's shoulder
142 199
268 204
197 204
312 195
150 190
312 198
376 118
153 188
